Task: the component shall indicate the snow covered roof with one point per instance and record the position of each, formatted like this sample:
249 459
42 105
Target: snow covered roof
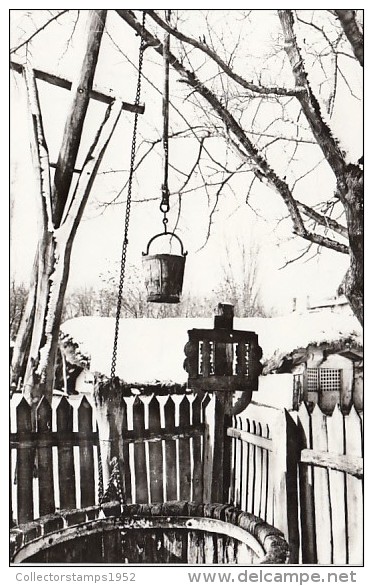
151 350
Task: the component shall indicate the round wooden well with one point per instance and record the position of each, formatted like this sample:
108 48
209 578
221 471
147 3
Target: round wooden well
167 533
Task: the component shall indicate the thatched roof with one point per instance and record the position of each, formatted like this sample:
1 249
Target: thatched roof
151 351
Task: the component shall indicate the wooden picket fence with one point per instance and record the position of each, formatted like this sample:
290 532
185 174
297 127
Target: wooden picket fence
299 471
304 475
55 460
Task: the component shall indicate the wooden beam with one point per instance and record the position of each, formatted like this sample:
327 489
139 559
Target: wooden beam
350 464
250 438
95 94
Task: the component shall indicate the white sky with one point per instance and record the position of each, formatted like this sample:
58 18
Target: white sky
98 241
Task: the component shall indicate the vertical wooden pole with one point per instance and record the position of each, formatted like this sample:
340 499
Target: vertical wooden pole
306 492
285 482
221 453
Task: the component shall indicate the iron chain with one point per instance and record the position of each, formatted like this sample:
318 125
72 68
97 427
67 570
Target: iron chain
128 204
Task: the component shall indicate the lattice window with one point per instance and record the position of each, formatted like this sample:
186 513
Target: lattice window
312 379
330 379
323 379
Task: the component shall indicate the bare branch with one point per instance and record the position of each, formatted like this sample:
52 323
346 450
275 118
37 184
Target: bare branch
323 220
301 255
308 100
249 85
38 31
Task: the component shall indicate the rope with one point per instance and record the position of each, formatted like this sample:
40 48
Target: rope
128 206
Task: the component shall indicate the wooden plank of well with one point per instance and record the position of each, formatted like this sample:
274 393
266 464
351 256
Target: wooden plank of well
335 427
207 450
238 465
244 469
170 452
197 418
306 492
250 470
185 476
258 473
126 456
324 547
264 495
270 488
355 517
234 441
66 470
45 459
87 487
155 454
141 473
25 465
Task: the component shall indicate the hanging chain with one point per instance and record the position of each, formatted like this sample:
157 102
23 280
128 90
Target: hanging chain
128 204
165 203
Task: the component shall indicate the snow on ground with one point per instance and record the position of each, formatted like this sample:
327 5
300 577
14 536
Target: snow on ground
152 350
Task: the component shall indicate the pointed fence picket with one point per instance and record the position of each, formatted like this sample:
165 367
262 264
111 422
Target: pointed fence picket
48 474
332 479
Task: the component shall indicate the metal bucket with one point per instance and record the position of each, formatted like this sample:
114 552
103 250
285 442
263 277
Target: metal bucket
164 273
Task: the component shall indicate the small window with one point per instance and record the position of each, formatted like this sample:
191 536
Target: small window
312 379
323 379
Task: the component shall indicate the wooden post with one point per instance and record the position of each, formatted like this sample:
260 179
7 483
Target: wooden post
285 482
221 461
112 425
306 493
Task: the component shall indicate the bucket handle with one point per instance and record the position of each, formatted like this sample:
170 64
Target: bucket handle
165 234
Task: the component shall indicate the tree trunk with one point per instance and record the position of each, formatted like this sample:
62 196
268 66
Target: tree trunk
353 284
59 217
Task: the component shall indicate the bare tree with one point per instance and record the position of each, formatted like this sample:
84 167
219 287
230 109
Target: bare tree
234 106
240 284
300 107
59 216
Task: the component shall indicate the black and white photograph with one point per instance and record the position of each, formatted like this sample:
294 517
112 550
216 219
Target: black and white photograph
186 294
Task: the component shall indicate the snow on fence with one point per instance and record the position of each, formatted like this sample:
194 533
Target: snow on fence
304 475
55 461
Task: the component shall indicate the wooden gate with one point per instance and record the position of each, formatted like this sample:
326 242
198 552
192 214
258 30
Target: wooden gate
302 473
